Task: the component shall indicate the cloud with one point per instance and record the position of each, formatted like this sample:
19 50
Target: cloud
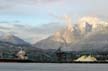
51 27
38 7
27 2
6 5
30 33
9 4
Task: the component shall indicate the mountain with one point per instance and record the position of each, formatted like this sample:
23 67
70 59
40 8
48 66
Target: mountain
10 45
10 38
66 35
61 38
48 43
97 41
90 33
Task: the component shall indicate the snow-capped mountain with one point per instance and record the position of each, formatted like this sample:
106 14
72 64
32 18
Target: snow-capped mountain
88 30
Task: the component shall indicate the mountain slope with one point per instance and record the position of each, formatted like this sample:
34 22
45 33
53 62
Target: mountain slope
89 34
10 38
48 44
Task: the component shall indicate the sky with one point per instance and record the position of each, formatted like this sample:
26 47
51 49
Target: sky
39 15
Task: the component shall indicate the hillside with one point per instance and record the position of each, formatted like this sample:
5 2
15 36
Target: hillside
10 38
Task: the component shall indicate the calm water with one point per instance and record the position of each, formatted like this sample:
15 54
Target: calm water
52 67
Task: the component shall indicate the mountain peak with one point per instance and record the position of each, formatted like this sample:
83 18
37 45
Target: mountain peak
8 37
81 36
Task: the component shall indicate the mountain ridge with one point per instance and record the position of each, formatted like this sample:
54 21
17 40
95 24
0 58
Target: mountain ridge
71 38
8 37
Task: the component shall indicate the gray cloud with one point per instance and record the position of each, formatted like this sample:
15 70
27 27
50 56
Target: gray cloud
29 33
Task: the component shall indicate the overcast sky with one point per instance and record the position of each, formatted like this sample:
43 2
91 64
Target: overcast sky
36 13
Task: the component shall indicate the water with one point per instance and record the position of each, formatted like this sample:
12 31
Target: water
52 67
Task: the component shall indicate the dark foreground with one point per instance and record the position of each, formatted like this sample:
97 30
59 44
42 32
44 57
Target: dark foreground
30 61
